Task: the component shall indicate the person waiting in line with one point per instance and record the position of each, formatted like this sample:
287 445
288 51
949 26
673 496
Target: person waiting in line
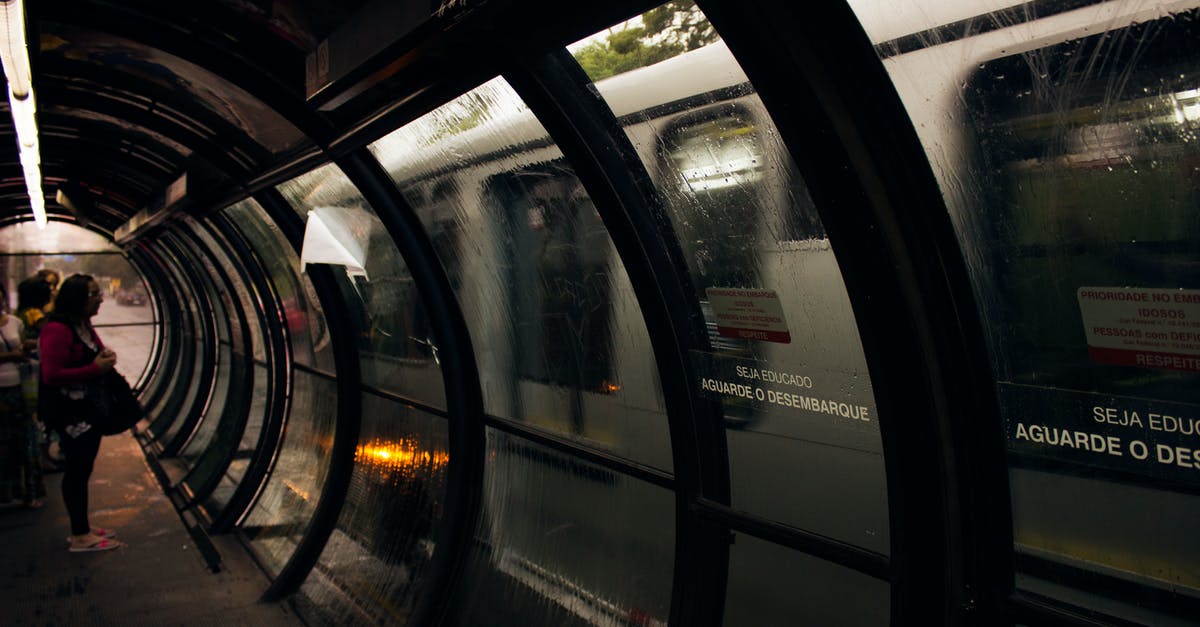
71 356
51 278
33 300
20 471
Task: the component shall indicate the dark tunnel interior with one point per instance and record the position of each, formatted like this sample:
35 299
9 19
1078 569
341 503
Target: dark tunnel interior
695 313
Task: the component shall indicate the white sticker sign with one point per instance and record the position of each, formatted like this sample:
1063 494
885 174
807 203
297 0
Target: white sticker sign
1151 328
749 314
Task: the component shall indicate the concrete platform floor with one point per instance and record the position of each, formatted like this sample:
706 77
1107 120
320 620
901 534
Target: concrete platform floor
159 578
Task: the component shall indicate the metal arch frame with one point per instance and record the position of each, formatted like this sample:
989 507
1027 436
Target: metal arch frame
183 354
202 145
206 382
155 387
149 273
278 380
837 111
334 295
237 400
464 394
556 89
172 407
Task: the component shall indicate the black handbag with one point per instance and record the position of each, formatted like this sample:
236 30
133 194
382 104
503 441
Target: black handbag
113 406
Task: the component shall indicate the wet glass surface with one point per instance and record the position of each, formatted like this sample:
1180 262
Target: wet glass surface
243 295
774 585
246 442
376 561
304 318
220 305
785 360
283 510
558 336
215 411
194 336
564 542
1064 141
396 349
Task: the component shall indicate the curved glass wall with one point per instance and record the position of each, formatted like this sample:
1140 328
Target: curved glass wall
558 336
308 330
155 384
1065 144
226 327
283 510
280 515
198 386
396 351
566 542
785 360
773 585
374 566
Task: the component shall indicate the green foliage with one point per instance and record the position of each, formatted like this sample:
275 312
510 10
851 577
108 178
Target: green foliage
666 31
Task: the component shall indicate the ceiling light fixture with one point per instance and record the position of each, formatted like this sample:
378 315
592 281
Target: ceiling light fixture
14 54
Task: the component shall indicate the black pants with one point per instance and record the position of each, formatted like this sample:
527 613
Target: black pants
81 457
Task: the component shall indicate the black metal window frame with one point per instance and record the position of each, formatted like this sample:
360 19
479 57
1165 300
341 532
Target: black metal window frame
277 351
182 330
336 296
186 252
150 275
241 388
155 386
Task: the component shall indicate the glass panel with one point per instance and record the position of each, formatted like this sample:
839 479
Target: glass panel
397 351
546 554
785 362
184 380
198 389
773 585
245 448
380 550
286 505
558 335
223 253
302 313
216 407
166 306
1065 144
219 302
57 237
126 299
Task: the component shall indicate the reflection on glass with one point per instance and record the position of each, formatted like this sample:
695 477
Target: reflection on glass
216 410
242 295
564 542
1066 150
246 441
785 361
396 346
559 339
302 313
656 35
283 510
380 550
773 585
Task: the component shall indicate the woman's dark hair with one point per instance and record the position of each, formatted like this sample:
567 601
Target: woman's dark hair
32 293
71 302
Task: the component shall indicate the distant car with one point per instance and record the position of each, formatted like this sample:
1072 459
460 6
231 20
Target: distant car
131 297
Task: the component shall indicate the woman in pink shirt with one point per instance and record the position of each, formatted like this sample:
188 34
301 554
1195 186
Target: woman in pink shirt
73 355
